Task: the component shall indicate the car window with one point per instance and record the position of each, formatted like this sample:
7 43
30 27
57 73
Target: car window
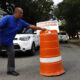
62 33
29 31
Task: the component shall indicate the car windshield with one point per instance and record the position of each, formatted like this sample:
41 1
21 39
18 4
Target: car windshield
27 31
62 33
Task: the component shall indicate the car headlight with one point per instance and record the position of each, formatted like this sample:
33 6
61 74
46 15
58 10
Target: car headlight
24 38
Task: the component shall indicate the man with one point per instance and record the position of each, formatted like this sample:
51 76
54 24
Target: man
9 26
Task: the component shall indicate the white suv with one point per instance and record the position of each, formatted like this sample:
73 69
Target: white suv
63 37
26 41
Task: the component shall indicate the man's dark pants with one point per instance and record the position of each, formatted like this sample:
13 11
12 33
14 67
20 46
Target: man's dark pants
11 56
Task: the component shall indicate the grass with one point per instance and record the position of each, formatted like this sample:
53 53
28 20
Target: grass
75 41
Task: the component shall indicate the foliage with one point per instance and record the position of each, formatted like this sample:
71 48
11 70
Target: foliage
34 10
70 11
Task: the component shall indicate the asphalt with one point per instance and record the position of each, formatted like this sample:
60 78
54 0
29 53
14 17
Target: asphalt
29 66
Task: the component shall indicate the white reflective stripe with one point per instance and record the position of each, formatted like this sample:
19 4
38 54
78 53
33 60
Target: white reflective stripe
49 60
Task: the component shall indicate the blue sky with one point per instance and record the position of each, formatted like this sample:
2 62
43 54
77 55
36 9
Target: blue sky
57 1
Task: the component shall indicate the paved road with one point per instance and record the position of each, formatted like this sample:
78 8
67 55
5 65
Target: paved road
28 66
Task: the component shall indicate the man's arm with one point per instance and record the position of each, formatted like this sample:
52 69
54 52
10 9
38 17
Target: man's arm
25 24
37 28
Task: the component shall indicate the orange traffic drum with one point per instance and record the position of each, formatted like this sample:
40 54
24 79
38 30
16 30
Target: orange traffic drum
50 58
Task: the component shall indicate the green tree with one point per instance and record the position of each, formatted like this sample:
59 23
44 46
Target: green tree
70 11
34 10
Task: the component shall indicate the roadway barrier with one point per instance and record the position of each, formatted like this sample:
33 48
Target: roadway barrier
50 58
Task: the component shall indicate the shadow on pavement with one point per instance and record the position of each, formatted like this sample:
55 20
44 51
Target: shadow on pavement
20 54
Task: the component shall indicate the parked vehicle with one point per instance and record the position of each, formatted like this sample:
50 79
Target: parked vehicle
63 36
26 41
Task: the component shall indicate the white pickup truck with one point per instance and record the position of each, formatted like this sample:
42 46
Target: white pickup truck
28 40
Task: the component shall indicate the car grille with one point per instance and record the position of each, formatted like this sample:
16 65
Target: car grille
16 46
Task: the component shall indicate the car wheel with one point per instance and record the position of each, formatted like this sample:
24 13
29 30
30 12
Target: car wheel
3 54
37 48
33 49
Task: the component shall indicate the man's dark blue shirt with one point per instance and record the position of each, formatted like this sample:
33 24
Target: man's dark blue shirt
9 28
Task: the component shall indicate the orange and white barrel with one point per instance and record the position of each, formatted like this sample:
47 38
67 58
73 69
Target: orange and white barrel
50 58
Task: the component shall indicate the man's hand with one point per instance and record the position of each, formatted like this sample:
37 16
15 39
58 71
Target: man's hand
44 29
37 28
